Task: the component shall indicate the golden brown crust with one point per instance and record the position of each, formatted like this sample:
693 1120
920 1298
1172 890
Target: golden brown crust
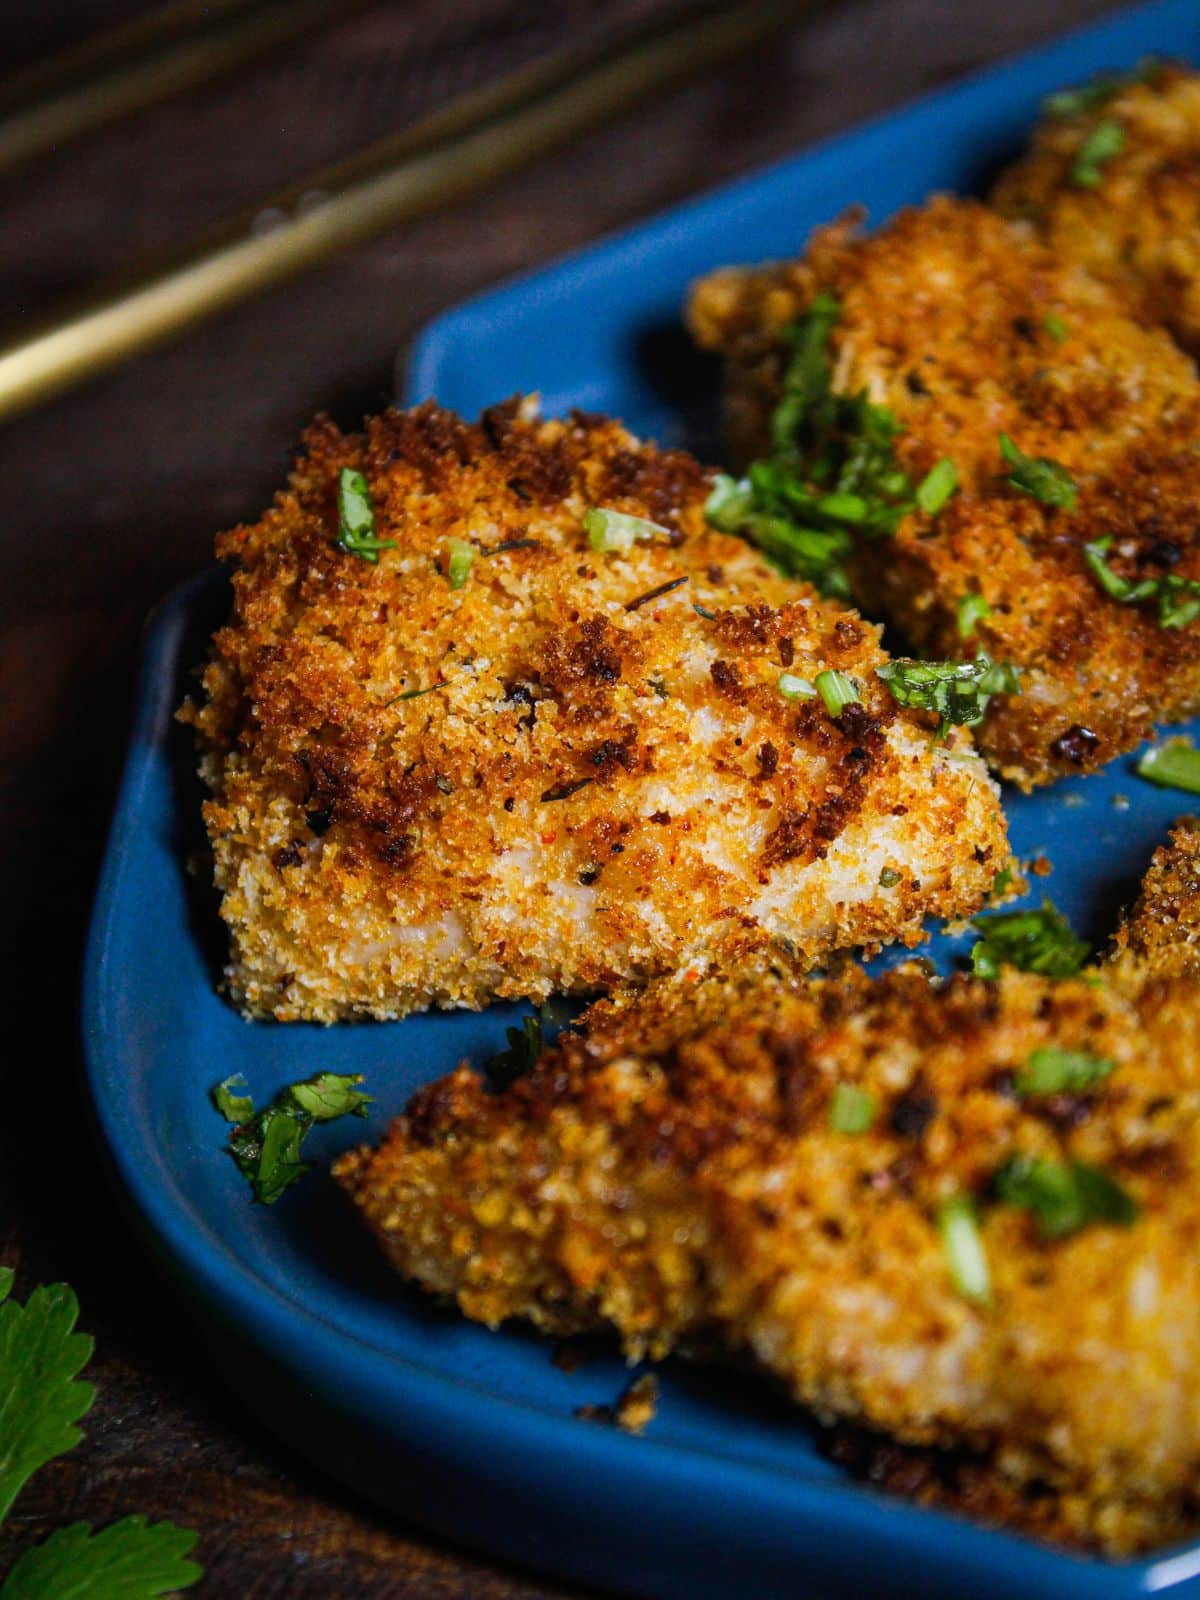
602 783
1139 227
1161 935
944 320
671 1173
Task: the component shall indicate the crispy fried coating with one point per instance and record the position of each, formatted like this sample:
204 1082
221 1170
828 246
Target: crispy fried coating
1161 934
944 319
1137 225
575 769
671 1173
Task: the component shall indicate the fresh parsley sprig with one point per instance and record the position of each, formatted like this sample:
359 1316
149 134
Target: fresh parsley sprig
832 476
266 1144
356 518
958 691
41 1402
1033 940
1087 97
1053 1070
1063 1196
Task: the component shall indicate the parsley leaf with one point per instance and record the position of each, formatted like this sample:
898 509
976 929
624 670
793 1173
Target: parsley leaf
1091 96
851 1110
937 486
1106 140
233 1106
356 518
41 1398
266 1144
1051 1070
524 1047
1178 598
972 609
1056 327
1046 481
962 1245
616 530
129 1560
831 476
959 691
1173 765
1031 941
1063 1197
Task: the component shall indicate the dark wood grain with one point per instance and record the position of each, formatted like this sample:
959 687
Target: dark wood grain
112 495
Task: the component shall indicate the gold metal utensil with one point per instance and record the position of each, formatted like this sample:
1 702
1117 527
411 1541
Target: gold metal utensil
468 142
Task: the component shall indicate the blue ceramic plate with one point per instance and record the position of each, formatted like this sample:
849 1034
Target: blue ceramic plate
473 1433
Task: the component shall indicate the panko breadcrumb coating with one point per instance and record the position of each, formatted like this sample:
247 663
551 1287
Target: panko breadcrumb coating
1132 219
1161 935
674 1173
575 769
967 327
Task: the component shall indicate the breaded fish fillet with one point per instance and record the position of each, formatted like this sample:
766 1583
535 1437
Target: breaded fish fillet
577 767
1161 935
1131 217
677 1173
967 328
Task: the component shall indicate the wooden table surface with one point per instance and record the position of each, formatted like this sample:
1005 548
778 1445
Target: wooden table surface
114 493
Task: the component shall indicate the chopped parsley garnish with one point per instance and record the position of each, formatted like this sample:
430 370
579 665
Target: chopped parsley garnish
792 687
460 557
936 487
1051 1070
615 530
266 1144
1173 765
889 878
1031 941
962 1244
837 691
851 1110
356 518
1056 327
972 608
1063 1196
1002 882
524 1047
1106 140
958 691
1178 598
1100 90
41 1401
831 476
1046 481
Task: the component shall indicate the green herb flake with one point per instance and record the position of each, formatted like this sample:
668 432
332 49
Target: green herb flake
460 557
233 1106
1061 1196
851 1109
832 476
1002 882
1178 598
266 1145
962 1245
1056 327
1030 940
615 531
837 691
889 878
1045 481
972 609
356 518
958 691
1051 1070
792 687
1106 140
129 1560
1173 765
936 487
1088 97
